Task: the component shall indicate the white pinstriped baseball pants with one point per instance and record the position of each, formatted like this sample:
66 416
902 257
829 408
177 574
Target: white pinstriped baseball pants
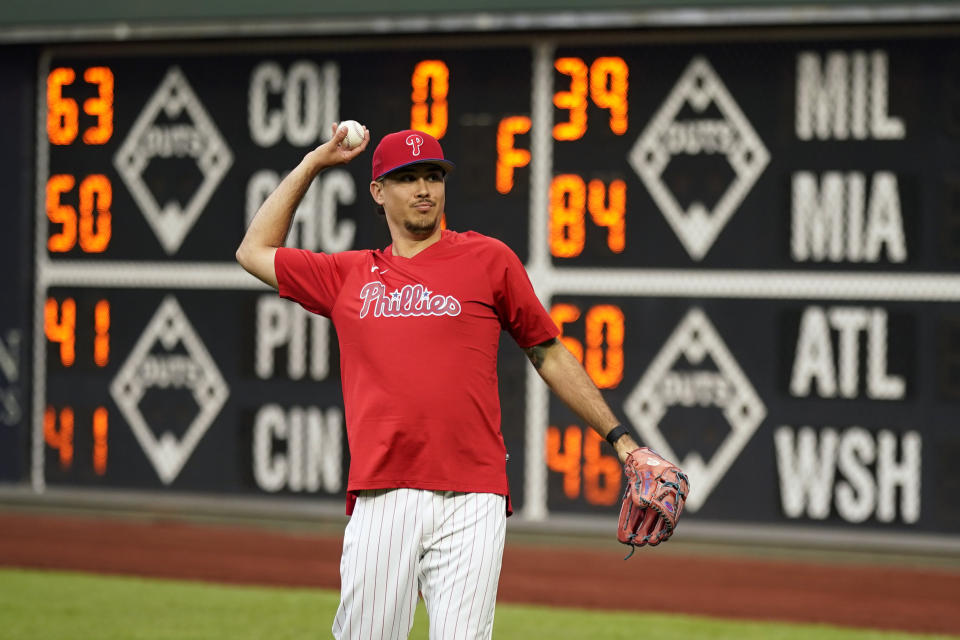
446 545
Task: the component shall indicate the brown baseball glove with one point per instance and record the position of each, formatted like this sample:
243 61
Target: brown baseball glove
653 500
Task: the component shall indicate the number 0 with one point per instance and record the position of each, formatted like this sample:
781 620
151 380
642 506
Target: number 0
431 81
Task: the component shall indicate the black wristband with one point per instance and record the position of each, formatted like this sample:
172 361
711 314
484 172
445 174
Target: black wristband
616 433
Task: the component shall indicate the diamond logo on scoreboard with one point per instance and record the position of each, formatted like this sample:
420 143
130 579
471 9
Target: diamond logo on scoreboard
695 371
169 382
174 132
699 119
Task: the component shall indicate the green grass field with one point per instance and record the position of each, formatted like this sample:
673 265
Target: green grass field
48 605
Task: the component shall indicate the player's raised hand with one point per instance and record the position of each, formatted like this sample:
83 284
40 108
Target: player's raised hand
349 140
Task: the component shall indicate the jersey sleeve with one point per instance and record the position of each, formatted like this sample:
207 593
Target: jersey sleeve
311 279
520 311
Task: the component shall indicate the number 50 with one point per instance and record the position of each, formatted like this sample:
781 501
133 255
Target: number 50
93 226
601 352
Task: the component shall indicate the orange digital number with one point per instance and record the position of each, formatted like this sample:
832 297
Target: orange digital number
60 326
62 214
101 333
94 226
60 439
602 351
607 87
574 100
563 456
562 314
62 113
579 457
431 82
100 107
603 358
508 157
612 215
100 447
568 197
601 473
96 197
59 430
608 90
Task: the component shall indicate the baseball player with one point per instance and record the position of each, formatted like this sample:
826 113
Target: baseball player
419 324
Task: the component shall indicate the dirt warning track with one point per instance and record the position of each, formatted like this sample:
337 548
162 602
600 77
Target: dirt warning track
880 597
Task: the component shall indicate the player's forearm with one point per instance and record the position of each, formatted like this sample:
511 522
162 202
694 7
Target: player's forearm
569 381
270 225
268 229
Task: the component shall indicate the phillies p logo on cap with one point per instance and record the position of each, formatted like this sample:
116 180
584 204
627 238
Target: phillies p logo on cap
404 148
416 142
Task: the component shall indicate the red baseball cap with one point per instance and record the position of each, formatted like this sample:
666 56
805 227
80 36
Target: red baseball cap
404 148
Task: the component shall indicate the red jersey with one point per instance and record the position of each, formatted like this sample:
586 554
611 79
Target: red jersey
418 355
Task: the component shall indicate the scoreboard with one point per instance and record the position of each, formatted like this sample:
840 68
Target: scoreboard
750 240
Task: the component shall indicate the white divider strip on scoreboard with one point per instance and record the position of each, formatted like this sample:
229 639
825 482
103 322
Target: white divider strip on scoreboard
38 451
541 170
548 280
718 283
149 275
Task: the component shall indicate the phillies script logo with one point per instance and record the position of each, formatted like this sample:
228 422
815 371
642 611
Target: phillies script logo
416 142
411 300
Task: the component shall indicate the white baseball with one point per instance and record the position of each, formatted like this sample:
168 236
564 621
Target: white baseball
354 134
